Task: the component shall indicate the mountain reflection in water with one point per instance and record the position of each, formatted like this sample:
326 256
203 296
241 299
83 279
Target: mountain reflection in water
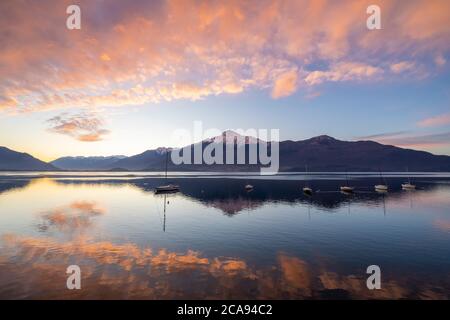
215 240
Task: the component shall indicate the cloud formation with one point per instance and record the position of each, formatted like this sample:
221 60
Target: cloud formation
285 85
145 52
440 60
83 127
128 271
402 66
405 139
440 120
77 215
343 71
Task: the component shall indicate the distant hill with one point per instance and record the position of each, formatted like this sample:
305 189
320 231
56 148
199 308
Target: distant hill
86 163
13 160
155 158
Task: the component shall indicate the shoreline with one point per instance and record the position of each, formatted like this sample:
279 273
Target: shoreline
237 175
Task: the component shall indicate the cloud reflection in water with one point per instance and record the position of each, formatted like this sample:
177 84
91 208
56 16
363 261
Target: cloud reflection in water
127 271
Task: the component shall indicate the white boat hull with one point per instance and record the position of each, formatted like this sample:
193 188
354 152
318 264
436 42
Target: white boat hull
347 189
408 186
307 190
381 187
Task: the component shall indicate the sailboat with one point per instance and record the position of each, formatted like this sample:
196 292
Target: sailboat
306 189
383 186
408 185
347 188
169 188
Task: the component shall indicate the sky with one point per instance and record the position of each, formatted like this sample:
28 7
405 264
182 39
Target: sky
138 71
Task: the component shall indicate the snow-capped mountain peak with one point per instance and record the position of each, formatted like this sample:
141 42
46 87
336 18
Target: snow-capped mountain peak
230 136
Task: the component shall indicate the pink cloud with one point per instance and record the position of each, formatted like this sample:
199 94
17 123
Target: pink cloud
409 140
440 120
313 95
402 66
83 127
439 60
344 71
148 52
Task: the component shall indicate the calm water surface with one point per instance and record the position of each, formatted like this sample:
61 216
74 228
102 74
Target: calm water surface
215 240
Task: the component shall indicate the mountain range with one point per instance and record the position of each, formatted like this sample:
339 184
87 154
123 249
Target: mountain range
86 163
322 153
13 160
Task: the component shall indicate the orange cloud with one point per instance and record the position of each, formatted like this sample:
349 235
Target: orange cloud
74 216
124 271
285 84
105 57
82 127
149 52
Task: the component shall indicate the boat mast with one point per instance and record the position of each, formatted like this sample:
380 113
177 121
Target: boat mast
382 178
167 159
409 177
306 172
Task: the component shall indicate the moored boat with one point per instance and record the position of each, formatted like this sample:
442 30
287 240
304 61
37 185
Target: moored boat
382 187
306 189
347 188
169 188
408 185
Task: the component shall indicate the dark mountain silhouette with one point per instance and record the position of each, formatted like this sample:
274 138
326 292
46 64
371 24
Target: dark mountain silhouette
86 163
322 153
155 158
13 160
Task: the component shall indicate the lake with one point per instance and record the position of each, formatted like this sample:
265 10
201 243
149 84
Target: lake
215 240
